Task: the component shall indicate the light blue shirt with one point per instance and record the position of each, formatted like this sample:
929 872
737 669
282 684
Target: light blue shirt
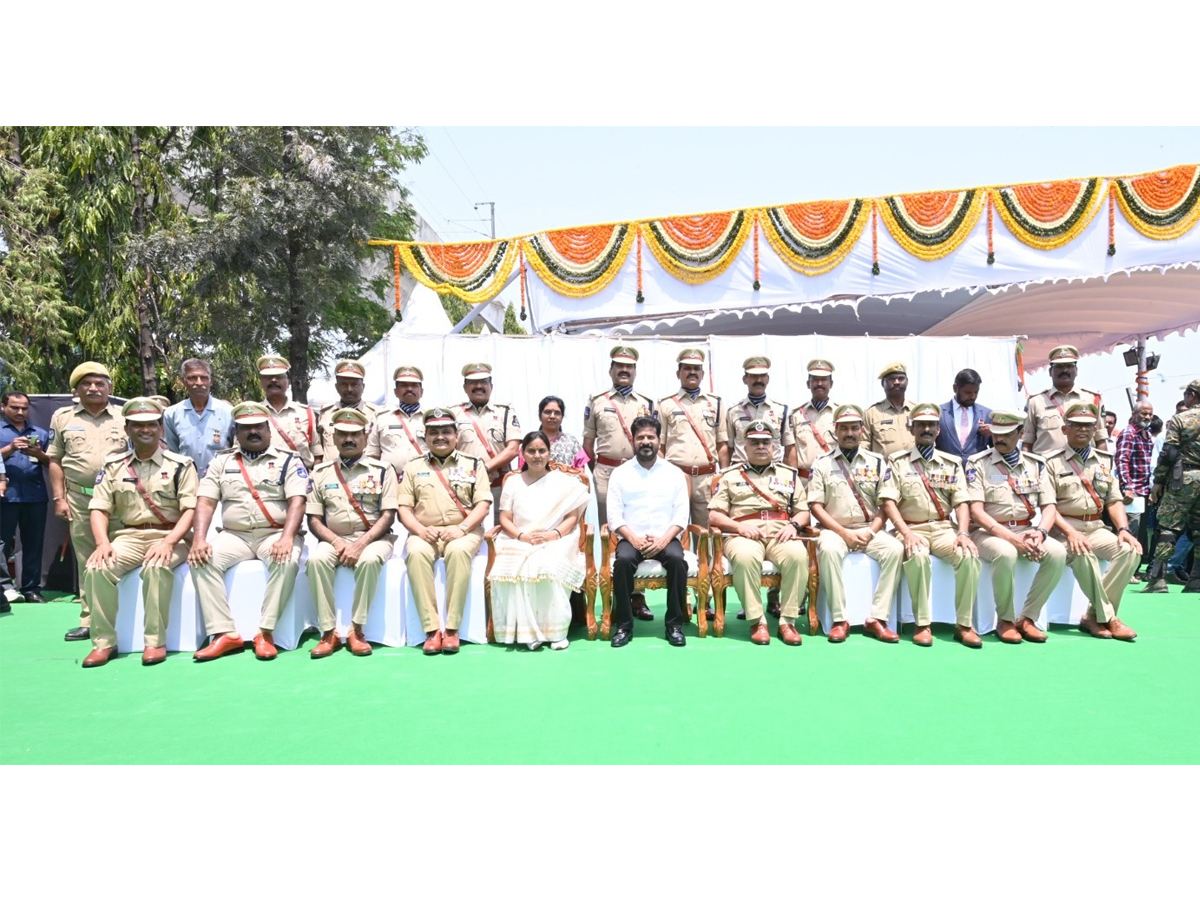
199 435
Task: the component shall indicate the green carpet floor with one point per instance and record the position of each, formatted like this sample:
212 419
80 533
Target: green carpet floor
1072 700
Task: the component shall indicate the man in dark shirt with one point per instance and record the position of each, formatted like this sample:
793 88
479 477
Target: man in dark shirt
24 505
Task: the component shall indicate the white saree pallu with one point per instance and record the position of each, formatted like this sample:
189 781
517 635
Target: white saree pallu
532 583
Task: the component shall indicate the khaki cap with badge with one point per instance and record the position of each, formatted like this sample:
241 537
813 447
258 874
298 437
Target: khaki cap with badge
1064 354
1005 420
895 368
925 412
476 371
408 373
692 356
349 368
820 367
847 412
84 369
438 416
249 412
348 419
141 409
1082 414
756 365
273 364
625 355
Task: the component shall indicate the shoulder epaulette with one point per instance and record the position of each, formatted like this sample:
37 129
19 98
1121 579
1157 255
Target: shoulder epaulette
322 465
1050 455
980 455
177 457
787 468
1035 457
118 457
898 454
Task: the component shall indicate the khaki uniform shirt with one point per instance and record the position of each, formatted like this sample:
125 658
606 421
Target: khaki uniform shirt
277 475
808 427
326 436
739 417
906 487
81 442
373 484
168 478
604 426
885 428
987 481
497 422
680 442
830 486
1044 419
397 438
1071 496
293 429
736 498
422 489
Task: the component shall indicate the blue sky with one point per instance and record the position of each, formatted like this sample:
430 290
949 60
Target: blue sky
546 177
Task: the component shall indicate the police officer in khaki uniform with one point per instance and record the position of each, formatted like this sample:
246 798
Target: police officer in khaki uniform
843 496
444 499
293 426
399 434
1044 412
351 510
761 507
486 430
926 486
607 441
262 490
811 423
82 435
149 494
755 407
349 377
1085 484
1007 487
693 431
885 424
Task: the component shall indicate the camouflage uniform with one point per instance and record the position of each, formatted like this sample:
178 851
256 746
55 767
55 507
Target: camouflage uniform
1179 508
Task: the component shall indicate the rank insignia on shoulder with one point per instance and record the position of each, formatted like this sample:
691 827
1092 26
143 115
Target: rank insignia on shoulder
99 477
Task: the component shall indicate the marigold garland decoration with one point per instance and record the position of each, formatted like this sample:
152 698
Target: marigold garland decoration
521 276
640 298
991 257
933 225
813 238
874 238
1047 216
757 284
579 262
696 249
472 272
1163 205
1112 219
396 263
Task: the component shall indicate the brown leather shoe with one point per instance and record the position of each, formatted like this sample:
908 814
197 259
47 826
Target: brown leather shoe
923 636
230 642
356 642
1120 630
98 657
264 646
1007 632
788 634
760 634
433 643
1030 631
152 656
1089 625
450 642
876 629
839 632
330 642
968 637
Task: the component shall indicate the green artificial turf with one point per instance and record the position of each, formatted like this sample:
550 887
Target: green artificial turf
1075 699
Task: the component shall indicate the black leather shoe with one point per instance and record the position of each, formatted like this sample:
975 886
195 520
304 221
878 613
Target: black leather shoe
675 637
742 614
34 597
640 609
4 606
78 634
621 637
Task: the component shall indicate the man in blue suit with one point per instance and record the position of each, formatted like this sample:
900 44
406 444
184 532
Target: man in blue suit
965 423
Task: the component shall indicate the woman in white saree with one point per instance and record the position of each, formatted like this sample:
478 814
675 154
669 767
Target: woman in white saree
538 560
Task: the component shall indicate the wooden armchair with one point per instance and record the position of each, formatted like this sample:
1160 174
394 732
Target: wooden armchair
587 536
720 577
650 575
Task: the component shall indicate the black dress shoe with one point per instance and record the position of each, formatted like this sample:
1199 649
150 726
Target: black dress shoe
643 612
675 637
621 637
773 602
742 614
78 634
34 597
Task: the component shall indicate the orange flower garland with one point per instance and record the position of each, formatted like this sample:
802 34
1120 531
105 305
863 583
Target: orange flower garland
814 238
1163 205
1049 215
696 249
932 225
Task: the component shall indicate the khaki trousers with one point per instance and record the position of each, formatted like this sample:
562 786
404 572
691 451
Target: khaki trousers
1003 557
84 545
1104 591
884 549
600 477
918 573
322 566
699 493
230 548
419 557
130 546
746 560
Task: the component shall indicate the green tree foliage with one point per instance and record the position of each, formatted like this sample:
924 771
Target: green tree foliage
142 246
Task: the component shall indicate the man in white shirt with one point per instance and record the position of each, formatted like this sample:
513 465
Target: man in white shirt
648 509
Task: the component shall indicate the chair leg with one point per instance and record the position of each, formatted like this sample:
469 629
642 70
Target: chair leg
719 597
701 611
591 587
606 615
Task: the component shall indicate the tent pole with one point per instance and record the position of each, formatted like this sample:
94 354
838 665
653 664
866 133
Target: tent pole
469 318
1143 376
